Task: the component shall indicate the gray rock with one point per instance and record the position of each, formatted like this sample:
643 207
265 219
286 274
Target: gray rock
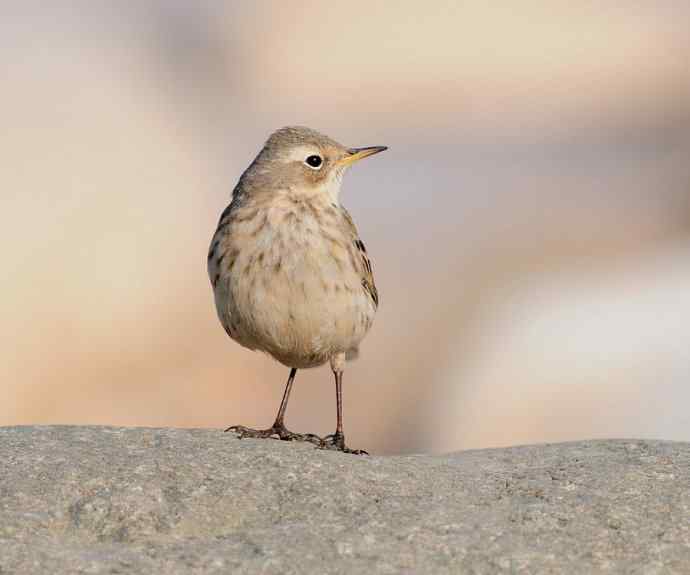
164 501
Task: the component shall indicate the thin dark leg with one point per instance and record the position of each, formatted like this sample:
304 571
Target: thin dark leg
278 429
339 403
337 440
286 396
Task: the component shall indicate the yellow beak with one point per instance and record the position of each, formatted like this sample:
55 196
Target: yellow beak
356 154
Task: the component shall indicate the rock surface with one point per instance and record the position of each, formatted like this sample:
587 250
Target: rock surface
169 501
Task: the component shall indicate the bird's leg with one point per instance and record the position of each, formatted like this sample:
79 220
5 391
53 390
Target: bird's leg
278 428
336 441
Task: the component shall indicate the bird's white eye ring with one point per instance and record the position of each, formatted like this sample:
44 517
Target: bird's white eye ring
314 162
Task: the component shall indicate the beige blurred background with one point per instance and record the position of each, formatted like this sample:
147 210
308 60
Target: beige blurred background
529 226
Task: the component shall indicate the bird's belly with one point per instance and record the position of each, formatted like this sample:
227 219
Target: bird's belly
296 303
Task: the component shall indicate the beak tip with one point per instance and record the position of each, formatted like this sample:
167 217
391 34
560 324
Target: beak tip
368 151
356 154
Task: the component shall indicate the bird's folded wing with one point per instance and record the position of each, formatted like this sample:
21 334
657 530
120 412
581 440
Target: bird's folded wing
363 260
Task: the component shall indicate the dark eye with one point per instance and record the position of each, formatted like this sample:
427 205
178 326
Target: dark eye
314 162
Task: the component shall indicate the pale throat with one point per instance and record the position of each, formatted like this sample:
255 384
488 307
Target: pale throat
331 187
326 193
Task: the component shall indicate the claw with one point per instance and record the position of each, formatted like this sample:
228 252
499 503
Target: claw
276 432
243 431
336 442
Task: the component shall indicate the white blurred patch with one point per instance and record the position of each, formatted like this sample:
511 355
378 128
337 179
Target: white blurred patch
584 353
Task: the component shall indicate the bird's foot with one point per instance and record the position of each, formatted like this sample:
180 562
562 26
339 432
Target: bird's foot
278 431
336 442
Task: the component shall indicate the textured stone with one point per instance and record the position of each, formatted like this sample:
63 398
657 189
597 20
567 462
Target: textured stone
169 501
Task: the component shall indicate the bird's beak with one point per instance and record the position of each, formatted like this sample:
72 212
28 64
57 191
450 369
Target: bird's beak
356 154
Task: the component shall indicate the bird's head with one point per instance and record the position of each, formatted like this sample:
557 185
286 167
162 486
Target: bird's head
303 160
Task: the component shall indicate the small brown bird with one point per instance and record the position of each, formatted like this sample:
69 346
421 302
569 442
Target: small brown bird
290 275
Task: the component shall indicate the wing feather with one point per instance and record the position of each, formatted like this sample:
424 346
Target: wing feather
364 267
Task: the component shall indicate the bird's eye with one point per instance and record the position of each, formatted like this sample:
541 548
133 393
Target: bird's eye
314 162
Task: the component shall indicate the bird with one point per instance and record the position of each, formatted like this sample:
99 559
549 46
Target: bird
291 276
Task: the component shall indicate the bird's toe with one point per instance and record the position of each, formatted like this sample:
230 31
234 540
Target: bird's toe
336 442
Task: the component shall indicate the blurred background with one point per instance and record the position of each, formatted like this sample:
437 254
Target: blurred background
529 226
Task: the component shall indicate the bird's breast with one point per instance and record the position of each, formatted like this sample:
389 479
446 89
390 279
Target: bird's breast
292 288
